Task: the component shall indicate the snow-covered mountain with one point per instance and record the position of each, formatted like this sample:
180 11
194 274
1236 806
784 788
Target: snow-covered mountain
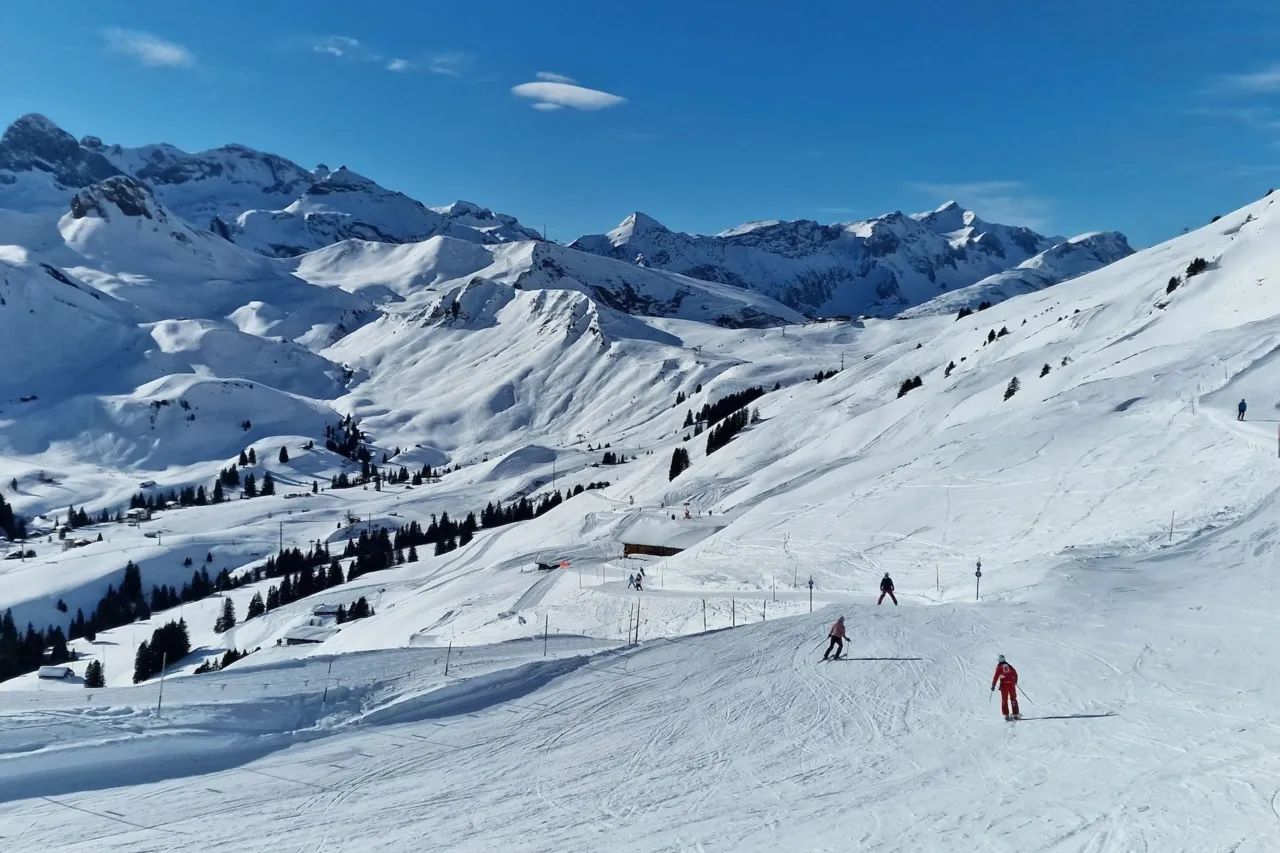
1058 263
385 272
1123 516
877 266
1079 437
262 201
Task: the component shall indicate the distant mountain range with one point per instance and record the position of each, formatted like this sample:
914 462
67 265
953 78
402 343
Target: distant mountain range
263 202
272 206
878 266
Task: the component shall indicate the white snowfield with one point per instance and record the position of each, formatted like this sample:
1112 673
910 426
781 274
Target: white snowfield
1124 517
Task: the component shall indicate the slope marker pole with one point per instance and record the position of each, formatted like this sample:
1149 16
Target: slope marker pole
164 662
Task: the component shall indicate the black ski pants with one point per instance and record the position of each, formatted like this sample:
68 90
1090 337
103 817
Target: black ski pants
837 644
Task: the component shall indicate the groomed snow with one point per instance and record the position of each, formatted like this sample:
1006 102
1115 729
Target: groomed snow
1124 519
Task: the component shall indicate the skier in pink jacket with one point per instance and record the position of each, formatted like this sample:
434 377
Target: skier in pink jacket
837 636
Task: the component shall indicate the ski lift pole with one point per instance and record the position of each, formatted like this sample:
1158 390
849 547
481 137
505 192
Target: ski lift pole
546 630
977 582
327 676
811 593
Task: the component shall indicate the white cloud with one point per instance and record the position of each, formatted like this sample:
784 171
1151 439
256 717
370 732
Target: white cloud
553 77
1253 83
1010 202
450 63
1258 118
342 47
548 95
445 63
148 49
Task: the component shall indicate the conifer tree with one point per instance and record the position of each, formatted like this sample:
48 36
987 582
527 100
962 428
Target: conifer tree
268 484
227 620
142 663
93 675
250 486
284 455
679 463
256 606
253 457
1014 385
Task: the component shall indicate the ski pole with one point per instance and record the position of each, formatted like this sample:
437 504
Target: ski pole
1024 694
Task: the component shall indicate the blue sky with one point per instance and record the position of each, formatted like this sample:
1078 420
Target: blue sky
1144 117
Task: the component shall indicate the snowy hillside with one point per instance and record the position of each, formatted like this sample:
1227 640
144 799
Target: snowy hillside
261 201
411 480
878 266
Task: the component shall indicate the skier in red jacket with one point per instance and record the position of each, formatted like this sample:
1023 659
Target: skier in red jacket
1007 677
837 639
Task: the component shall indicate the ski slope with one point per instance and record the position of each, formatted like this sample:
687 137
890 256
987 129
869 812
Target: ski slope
1145 730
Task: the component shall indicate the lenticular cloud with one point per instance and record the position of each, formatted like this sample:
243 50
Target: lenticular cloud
550 95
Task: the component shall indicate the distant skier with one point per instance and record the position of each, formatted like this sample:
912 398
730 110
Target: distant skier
837 636
631 581
1240 410
886 588
1007 679
639 584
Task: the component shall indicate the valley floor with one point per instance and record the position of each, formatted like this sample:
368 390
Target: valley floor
1148 728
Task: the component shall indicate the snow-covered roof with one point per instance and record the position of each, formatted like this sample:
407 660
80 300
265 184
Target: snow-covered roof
310 634
661 530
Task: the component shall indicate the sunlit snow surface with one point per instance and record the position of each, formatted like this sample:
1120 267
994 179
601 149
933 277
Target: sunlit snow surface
1125 519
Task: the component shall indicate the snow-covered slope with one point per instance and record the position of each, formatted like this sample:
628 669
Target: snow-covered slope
1123 517
342 205
384 272
878 266
262 201
1066 260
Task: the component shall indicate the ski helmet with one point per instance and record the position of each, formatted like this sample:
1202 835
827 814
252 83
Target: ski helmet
1000 659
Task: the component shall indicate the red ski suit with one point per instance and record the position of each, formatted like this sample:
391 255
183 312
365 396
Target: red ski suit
1007 678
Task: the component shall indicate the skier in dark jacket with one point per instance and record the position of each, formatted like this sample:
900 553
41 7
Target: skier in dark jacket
1240 410
886 588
